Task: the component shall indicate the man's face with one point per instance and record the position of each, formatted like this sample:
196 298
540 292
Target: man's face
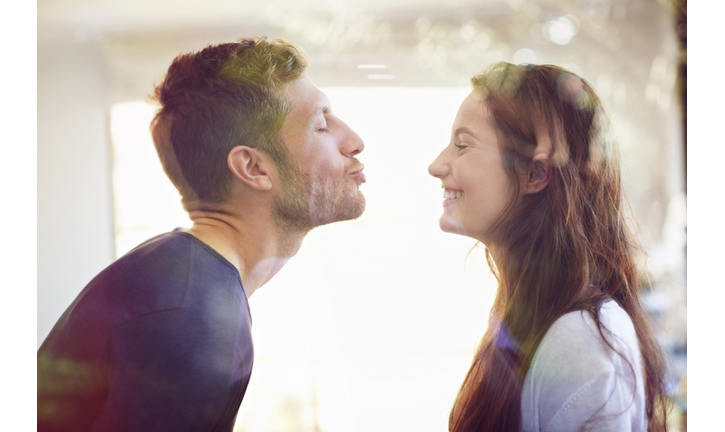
322 179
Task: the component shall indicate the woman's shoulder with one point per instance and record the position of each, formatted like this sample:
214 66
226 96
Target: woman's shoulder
573 349
575 373
577 333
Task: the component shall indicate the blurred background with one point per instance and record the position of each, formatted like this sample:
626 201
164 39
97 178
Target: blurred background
373 324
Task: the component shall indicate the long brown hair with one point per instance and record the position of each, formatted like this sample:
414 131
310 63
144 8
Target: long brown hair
565 248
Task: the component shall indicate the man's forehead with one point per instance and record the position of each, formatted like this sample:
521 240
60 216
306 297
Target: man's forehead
305 98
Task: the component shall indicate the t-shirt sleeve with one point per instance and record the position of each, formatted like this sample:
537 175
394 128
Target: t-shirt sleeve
577 384
172 371
593 407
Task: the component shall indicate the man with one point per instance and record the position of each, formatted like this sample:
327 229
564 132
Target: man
160 339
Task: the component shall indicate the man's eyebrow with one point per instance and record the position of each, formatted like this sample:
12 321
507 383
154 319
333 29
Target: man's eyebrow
464 130
321 110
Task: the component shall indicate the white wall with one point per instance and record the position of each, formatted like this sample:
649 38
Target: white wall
75 213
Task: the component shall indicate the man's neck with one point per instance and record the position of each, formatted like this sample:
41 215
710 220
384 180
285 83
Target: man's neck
253 244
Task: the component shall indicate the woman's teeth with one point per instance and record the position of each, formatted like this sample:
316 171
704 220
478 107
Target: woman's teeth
452 194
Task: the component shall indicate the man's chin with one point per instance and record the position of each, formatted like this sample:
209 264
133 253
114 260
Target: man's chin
358 208
352 209
318 211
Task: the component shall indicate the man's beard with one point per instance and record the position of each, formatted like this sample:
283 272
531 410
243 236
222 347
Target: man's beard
310 201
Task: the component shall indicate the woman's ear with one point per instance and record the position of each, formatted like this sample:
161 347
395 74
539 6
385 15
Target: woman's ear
251 166
537 174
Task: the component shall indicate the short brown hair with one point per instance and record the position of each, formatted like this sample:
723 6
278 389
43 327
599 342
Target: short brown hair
216 99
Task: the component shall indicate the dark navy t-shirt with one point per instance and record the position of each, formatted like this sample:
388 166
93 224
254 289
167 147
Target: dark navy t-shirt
159 341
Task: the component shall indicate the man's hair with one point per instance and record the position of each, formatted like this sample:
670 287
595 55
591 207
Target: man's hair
216 99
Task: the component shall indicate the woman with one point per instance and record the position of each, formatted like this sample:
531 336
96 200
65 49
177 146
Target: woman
532 174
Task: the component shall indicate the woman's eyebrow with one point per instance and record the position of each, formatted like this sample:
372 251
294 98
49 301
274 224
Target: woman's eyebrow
464 130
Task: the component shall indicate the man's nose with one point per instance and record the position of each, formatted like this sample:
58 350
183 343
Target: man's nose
352 143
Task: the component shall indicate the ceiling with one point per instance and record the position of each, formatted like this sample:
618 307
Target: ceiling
60 18
418 42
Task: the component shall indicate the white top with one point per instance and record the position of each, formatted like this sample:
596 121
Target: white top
578 383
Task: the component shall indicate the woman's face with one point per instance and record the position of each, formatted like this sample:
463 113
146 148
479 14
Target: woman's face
476 187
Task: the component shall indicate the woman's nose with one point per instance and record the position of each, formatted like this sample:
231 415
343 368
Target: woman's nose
439 167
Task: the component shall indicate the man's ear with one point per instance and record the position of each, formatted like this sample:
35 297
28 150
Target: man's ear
537 174
251 166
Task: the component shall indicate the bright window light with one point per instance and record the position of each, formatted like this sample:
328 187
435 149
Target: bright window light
145 202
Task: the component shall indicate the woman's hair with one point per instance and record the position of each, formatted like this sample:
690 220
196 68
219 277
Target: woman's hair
563 249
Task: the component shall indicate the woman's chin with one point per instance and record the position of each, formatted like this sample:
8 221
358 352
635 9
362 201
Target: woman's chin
451 225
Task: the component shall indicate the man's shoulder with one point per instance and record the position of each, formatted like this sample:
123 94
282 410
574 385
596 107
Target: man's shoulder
168 246
153 276
167 272
158 262
164 255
